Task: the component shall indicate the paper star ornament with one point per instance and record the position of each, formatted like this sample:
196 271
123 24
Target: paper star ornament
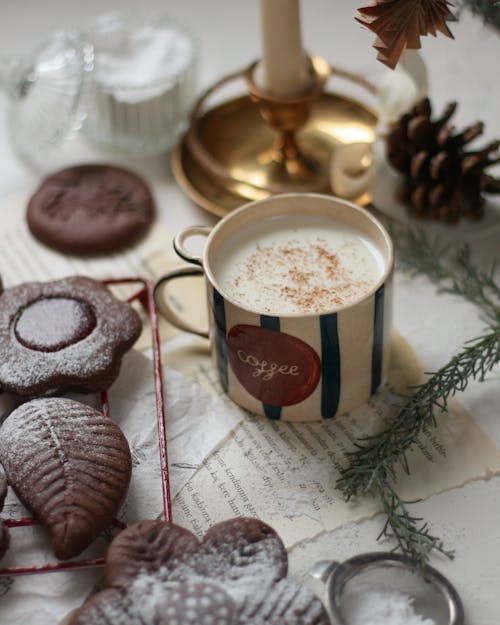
399 24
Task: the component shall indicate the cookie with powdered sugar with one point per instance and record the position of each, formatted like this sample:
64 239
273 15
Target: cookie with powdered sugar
3 487
4 539
162 574
243 554
4 534
148 547
63 335
238 552
70 465
149 602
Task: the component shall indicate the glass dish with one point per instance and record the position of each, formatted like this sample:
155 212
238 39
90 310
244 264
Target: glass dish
126 84
49 94
145 76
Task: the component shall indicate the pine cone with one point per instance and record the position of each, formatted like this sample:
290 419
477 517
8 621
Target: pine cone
442 180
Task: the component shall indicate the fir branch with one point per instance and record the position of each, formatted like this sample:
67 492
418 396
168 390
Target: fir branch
417 254
488 9
373 467
375 461
412 534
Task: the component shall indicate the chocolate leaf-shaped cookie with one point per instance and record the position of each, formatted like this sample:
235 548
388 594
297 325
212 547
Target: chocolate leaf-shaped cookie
149 601
147 546
3 487
285 603
70 465
4 532
4 539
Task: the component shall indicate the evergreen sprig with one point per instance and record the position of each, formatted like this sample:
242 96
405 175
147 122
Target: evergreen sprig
374 464
488 9
412 533
417 254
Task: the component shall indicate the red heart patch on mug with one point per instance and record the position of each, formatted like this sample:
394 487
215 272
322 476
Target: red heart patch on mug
275 367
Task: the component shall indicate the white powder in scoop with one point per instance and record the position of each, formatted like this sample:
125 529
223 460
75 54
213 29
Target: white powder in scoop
381 608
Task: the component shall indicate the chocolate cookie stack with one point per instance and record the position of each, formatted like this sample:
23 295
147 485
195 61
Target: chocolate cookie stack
158 573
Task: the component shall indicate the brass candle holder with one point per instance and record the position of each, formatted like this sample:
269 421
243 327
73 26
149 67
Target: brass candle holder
256 145
287 165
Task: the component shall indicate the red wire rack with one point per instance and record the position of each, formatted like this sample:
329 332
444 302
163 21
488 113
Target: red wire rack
144 295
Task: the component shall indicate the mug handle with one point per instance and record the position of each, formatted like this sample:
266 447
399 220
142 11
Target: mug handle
164 307
180 239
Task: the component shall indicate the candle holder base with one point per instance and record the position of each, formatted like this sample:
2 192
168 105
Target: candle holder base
250 147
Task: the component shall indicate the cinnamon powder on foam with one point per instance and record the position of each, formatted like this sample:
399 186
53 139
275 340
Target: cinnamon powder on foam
308 278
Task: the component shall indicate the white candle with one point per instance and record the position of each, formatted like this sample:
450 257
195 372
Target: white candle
284 61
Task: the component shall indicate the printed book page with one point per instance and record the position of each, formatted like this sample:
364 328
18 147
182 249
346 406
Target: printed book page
285 473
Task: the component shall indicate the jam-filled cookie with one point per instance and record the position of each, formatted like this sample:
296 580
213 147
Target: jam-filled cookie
64 335
90 209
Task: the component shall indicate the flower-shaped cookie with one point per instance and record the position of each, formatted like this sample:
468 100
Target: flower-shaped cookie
64 335
158 573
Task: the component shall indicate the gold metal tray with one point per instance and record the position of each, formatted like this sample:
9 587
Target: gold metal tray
234 135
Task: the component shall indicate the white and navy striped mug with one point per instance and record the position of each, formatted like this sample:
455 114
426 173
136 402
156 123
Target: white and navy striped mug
299 291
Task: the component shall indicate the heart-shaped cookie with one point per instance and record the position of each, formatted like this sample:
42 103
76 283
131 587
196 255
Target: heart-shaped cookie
147 546
242 551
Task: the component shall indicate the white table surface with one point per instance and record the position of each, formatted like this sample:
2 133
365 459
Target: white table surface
466 70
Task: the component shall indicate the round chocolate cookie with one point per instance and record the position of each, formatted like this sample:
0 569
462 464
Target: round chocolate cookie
90 209
68 334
